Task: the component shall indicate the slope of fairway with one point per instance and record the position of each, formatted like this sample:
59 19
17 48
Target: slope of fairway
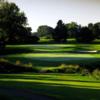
55 48
52 54
60 86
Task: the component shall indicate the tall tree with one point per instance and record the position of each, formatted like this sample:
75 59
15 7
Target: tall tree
72 29
96 30
60 34
85 35
3 37
12 21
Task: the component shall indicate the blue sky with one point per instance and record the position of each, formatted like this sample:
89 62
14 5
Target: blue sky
48 12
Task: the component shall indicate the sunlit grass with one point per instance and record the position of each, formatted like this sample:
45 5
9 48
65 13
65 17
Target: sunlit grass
38 55
61 86
58 46
58 79
51 55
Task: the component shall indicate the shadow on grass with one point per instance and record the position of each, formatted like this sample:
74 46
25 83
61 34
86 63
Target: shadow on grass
54 61
75 48
8 51
46 49
47 78
60 91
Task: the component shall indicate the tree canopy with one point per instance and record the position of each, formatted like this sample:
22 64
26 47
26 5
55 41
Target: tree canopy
13 21
14 28
85 35
45 31
60 34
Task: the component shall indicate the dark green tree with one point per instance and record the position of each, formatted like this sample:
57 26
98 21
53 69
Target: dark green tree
90 26
45 31
12 21
3 38
96 30
84 35
60 34
72 29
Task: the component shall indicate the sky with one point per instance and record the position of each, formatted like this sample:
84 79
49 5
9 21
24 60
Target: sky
48 12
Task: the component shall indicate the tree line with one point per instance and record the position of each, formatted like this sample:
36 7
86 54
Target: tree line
62 32
14 28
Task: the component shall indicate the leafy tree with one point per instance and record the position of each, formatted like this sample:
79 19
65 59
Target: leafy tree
90 26
60 34
85 35
96 30
12 21
34 39
3 37
72 29
24 33
45 31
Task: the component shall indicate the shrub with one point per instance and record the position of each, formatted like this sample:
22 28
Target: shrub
18 62
7 67
72 69
68 68
84 72
28 65
96 74
61 68
2 59
47 70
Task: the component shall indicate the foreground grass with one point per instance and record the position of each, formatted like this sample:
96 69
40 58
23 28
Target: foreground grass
61 86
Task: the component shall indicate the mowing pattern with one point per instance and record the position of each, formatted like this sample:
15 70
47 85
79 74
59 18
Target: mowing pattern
53 55
60 86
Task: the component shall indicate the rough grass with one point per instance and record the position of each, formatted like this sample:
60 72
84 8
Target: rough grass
61 86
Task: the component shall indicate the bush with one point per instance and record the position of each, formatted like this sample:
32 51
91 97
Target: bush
47 70
7 67
96 74
68 68
18 62
2 59
84 72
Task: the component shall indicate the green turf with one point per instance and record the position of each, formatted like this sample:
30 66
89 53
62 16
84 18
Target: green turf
52 54
62 86
58 47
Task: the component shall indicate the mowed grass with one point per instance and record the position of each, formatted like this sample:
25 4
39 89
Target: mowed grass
52 54
59 86
58 48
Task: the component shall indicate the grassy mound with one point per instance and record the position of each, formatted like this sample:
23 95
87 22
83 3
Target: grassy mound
7 67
